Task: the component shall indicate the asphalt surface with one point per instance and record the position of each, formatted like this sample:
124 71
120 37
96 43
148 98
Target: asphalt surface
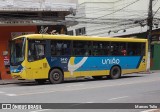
133 88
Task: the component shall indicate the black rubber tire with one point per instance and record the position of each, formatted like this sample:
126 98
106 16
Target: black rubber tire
40 81
115 72
56 76
97 77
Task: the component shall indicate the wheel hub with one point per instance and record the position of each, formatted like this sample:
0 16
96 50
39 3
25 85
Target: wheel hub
56 76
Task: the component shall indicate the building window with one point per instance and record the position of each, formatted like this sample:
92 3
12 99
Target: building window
81 31
70 32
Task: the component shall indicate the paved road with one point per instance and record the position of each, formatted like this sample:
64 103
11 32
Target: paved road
133 88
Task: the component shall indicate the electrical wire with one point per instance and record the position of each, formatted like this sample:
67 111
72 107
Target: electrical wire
117 10
98 11
112 28
110 22
144 16
156 11
118 25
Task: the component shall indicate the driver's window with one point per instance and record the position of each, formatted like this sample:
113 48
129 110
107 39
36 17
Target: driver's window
39 51
36 50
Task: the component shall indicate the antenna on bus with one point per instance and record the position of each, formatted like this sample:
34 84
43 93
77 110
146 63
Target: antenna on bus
42 30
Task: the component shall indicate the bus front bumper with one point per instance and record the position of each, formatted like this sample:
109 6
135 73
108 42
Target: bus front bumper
17 75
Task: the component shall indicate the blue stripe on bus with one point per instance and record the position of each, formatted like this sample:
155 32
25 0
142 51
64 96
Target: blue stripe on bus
96 63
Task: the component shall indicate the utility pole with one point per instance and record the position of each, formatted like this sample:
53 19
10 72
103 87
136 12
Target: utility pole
149 32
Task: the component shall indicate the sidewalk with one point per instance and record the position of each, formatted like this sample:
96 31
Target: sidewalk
13 81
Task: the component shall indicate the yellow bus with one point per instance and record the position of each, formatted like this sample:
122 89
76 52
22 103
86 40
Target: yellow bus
55 57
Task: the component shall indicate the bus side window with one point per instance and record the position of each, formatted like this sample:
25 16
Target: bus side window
66 48
31 52
99 48
136 49
36 50
118 48
60 47
131 52
53 50
82 48
40 51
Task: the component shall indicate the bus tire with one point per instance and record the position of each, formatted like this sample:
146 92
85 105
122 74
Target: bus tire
115 72
56 76
97 77
40 81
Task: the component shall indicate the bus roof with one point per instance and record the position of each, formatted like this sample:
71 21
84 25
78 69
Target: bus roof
89 38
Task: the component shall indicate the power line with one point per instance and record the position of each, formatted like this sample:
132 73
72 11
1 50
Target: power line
112 21
117 26
117 10
105 32
99 10
128 11
127 23
156 11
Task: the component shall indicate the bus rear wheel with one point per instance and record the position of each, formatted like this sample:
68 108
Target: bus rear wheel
115 72
56 76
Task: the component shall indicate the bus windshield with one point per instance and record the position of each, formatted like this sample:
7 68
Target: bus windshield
17 51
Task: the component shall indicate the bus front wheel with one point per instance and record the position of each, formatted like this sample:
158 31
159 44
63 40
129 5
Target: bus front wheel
115 72
56 76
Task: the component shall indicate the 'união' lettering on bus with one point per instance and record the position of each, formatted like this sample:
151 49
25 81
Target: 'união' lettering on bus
110 61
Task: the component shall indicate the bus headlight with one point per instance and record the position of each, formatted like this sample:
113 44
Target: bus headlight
22 69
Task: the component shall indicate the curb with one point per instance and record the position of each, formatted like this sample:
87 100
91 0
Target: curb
6 82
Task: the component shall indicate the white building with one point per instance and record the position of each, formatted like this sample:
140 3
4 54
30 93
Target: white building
113 17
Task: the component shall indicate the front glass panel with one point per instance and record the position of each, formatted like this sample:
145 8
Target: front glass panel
17 51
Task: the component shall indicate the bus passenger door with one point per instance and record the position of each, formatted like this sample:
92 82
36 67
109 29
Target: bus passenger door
37 64
36 69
